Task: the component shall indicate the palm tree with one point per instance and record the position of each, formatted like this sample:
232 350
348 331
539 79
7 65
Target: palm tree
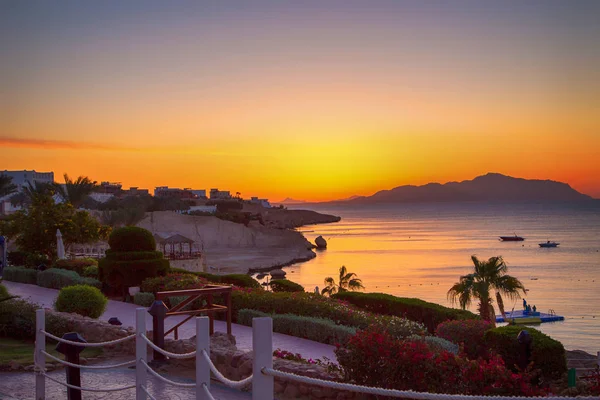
347 281
6 185
39 192
76 191
489 275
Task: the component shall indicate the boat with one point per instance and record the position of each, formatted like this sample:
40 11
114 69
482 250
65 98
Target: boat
514 238
549 244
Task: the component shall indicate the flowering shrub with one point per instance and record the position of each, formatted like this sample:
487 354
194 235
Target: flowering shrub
468 333
374 358
592 379
287 355
314 305
436 344
172 282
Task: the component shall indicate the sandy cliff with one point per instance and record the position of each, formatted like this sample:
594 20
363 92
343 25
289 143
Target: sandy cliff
288 219
233 247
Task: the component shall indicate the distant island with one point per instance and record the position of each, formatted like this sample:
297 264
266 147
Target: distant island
492 187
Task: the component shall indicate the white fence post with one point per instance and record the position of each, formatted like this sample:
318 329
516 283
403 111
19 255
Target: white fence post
39 357
262 345
202 366
141 353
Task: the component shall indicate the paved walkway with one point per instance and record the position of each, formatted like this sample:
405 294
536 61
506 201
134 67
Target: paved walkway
126 314
21 385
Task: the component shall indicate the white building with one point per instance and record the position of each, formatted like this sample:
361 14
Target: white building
201 193
263 202
20 178
216 194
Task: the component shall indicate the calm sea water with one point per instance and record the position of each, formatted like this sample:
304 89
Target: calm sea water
421 250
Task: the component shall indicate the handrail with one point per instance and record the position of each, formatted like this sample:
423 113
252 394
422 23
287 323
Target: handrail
222 378
162 378
208 289
88 389
168 353
124 364
207 392
80 344
402 393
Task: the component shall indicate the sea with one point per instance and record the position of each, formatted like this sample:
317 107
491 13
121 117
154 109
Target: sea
422 250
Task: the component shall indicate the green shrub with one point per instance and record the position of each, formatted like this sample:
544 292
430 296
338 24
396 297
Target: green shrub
314 305
34 260
78 265
548 355
3 292
20 274
437 344
143 299
172 282
283 285
133 255
429 314
81 299
241 280
17 320
91 271
55 278
131 238
317 329
468 333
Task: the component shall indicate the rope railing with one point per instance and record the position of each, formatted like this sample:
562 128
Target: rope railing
220 377
148 393
63 362
88 389
206 391
168 353
409 394
80 344
165 380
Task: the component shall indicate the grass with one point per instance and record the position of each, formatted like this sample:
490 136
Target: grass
21 351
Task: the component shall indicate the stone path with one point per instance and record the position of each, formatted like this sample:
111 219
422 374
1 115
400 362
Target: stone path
126 314
21 385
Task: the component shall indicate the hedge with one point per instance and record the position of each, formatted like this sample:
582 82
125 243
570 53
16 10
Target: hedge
143 299
56 278
20 274
283 285
133 255
429 314
171 282
468 333
240 280
131 238
17 320
547 354
91 271
119 274
317 329
3 292
78 265
81 299
314 305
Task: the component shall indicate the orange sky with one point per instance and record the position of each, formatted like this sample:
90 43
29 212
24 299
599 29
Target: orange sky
313 102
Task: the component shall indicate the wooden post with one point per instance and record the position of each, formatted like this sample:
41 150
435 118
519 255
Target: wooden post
38 356
229 312
262 346
202 366
141 353
209 303
158 310
71 353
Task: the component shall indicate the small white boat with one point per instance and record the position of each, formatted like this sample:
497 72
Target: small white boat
549 244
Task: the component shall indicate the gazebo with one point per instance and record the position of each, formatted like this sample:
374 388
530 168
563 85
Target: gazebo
173 242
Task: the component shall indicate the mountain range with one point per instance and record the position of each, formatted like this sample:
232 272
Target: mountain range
492 187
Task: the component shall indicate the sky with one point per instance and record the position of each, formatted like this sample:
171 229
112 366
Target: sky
314 100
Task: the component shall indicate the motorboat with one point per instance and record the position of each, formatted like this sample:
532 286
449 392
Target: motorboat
514 238
549 244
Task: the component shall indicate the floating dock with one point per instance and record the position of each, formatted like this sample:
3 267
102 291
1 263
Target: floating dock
530 318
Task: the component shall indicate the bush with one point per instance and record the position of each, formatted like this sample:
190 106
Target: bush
314 305
17 257
547 355
78 265
56 278
3 292
143 299
20 274
131 238
429 314
468 333
317 329
374 358
437 344
283 285
17 320
172 282
81 299
241 280
133 255
34 260
91 271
